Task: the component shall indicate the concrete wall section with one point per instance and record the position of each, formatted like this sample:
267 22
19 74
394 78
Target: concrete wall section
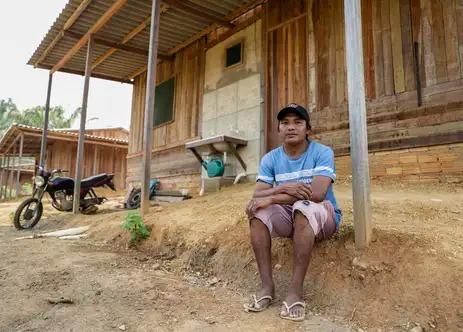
233 101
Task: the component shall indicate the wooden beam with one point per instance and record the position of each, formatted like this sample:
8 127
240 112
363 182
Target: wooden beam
84 4
234 15
142 26
138 72
95 28
96 75
244 9
12 144
2 175
11 173
117 46
7 176
83 119
43 144
198 11
243 25
68 24
193 38
358 123
145 67
149 105
18 169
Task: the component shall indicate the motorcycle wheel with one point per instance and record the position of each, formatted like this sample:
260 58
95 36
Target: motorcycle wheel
28 214
134 200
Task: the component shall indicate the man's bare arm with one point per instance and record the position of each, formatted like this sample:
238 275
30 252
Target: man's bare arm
299 191
262 202
263 189
320 185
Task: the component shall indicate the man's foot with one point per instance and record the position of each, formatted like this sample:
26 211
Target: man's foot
260 301
293 308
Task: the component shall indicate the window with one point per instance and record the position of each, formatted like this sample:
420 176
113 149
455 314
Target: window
234 55
164 102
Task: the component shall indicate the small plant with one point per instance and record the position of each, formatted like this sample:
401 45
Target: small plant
138 230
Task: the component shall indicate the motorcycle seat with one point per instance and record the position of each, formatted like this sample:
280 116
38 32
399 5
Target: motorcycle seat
94 181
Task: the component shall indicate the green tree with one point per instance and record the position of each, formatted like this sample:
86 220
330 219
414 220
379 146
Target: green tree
8 113
34 116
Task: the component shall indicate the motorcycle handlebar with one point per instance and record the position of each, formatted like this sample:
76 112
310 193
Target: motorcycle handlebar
60 171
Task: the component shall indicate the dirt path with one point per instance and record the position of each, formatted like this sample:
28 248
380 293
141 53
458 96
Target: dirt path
112 289
410 274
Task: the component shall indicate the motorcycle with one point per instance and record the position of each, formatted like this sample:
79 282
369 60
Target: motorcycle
61 191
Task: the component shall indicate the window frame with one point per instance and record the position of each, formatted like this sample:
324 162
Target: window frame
174 77
230 45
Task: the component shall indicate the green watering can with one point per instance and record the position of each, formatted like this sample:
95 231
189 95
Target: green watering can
214 167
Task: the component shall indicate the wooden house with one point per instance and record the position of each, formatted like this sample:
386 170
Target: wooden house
104 153
227 67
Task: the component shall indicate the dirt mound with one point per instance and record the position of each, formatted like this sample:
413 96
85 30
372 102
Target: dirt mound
410 274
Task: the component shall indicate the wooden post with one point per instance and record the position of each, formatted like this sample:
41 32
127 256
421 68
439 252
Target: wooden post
2 175
7 174
83 119
10 194
18 170
149 105
358 123
43 145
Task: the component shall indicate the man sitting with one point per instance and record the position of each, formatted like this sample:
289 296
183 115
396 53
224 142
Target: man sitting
293 198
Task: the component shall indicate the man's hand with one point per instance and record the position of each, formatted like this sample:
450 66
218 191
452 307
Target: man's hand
299 190
256 204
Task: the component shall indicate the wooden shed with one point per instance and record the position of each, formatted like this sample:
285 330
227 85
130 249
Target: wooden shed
102 154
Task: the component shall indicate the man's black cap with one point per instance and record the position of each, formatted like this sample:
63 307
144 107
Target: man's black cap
295 109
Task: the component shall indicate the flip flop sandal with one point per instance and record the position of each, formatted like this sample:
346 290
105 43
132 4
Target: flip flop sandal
286 314
255 307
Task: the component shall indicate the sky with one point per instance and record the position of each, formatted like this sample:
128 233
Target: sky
23 24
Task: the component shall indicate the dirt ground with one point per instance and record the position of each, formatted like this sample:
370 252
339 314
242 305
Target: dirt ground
197 269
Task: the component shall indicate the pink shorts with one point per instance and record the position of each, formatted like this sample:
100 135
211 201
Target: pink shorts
279 218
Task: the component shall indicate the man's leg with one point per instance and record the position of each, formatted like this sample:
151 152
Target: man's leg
303 240
262 244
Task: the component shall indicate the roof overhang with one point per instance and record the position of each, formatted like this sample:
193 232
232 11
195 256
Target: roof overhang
120 30
32 139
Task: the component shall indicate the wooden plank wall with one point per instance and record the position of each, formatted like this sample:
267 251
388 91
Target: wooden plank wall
328 20
188 69
172 163
109 160
397 24
171 166
286 59
390 27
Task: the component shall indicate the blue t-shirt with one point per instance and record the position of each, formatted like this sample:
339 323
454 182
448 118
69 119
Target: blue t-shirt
276 167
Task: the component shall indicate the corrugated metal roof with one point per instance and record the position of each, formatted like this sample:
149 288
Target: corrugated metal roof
10 135
176 27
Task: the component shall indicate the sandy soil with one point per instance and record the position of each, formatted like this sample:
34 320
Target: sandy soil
411 274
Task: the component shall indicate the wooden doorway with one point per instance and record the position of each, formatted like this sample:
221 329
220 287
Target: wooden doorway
286 67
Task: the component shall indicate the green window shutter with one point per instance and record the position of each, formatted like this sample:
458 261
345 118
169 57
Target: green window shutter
164 102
